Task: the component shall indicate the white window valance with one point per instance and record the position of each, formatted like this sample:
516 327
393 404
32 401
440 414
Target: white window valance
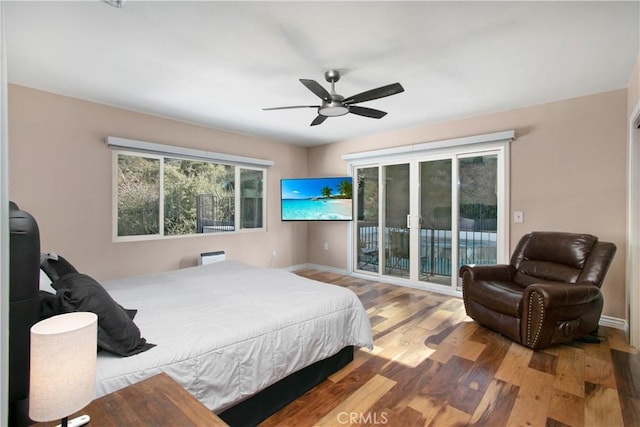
184 153
417 149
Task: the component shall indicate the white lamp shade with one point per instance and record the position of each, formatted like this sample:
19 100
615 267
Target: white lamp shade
63 365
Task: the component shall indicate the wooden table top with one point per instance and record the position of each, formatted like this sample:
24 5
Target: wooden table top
156 401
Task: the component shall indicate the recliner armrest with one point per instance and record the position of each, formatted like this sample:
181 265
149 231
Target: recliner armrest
563 295
502 272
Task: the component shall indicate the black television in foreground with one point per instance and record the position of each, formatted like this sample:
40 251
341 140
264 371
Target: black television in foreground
317 199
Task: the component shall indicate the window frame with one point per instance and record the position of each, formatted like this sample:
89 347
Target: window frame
238 197
471 146
238 168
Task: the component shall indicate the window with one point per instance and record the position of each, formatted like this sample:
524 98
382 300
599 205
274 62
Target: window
159 196
251 198
424 210
138 196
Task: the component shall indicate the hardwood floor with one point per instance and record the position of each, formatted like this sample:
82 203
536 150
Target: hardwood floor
433 366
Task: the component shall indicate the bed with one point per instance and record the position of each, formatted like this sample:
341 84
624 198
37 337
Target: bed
243 340
227 330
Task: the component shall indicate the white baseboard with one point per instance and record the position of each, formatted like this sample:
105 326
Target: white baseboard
607 321
318 267
614 322
295 267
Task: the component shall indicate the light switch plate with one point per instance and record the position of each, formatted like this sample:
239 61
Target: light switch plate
518 216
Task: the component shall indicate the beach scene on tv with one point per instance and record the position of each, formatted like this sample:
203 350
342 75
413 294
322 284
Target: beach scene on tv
317 199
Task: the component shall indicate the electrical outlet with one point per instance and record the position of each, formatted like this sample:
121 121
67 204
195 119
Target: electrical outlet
273 254
326 246
518 216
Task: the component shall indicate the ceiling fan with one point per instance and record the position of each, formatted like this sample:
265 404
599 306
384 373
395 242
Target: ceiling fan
334 105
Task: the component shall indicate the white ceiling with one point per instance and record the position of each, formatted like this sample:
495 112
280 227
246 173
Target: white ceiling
219 63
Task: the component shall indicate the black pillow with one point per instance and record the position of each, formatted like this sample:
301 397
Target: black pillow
130 312
55 266
49 305
116 331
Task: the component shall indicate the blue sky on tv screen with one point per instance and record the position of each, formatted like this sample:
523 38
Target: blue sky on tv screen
306 188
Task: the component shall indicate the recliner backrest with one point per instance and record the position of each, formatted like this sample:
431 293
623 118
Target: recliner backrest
555 257
24 277
598 263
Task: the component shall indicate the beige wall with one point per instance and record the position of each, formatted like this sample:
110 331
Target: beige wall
61 172
568 172
633 96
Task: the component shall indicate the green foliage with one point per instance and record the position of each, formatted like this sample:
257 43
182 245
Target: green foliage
184 180
435 191
325 192
478 179
138 196
368 194
346 189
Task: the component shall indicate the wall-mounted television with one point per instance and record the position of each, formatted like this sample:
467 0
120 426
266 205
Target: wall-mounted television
317 199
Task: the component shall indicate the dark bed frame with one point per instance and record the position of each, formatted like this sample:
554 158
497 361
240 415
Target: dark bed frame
24 265
267 402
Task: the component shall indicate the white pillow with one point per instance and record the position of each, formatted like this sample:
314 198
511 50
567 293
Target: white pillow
45 283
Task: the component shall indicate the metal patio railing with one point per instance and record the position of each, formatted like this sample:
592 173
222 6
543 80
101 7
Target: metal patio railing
475 247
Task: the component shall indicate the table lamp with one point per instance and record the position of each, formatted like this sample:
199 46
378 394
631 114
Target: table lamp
63 367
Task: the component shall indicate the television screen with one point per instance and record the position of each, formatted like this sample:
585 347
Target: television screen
317 199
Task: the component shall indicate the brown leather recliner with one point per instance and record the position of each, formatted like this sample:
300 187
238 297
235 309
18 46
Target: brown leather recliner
548 294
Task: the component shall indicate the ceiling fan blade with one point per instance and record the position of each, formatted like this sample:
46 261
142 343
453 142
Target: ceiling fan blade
316 88
380 92
293 106
367 112
318 120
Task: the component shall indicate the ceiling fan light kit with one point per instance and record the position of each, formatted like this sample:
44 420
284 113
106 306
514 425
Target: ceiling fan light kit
334 105
333 109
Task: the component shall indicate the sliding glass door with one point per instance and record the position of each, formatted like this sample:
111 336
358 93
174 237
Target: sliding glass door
366 223
382 234
478 209
419 220
435 226
396 253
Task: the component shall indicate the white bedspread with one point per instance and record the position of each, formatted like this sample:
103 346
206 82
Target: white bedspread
227 330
